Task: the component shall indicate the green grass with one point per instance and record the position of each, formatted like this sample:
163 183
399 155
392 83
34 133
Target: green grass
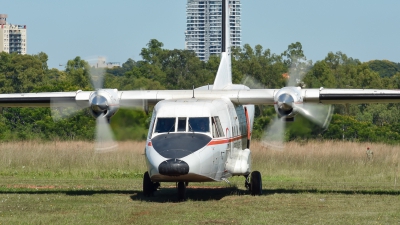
313 183
120 201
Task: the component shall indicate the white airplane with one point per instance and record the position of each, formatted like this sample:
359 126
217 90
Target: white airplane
203 134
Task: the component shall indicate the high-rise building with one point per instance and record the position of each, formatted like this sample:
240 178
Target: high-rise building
203 26
12 37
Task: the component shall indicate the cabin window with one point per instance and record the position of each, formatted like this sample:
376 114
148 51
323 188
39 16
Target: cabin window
182 124
199 124
217 128
165 125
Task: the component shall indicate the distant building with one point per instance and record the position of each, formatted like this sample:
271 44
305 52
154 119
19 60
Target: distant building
101 63
203 26
12 37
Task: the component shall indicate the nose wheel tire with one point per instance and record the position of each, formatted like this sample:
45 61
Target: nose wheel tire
255 183
181 191
149 187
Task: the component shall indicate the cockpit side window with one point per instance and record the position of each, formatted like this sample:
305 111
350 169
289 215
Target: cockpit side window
165 125
199 124
153 118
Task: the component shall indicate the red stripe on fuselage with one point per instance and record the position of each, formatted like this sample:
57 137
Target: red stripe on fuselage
225 140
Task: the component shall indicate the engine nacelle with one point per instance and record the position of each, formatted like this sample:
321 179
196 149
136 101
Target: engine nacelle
284 102
104 102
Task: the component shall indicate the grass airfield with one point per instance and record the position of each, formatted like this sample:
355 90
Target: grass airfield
308 183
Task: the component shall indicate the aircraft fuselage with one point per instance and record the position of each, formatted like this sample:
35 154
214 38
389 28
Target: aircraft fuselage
199 140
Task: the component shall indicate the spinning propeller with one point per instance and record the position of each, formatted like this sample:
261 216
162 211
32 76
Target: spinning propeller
103 104
289 103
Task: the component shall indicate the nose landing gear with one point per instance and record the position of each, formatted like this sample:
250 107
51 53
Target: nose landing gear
181 190
149 187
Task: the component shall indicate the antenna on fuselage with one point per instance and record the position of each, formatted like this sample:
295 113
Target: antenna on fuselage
193 91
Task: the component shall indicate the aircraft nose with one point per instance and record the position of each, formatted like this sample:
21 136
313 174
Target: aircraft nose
173 167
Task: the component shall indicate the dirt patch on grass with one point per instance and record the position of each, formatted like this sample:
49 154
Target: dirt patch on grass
232 221
28 186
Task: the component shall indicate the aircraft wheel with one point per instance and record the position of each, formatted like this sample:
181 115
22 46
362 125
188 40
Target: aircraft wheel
255 183
148 186
181 191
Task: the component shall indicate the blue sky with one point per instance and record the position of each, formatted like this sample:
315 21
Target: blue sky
119 29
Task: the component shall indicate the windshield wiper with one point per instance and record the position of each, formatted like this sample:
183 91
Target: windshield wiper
190 127
171 128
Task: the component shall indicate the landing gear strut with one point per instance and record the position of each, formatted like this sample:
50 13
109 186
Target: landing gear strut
149 187
182 190
247 184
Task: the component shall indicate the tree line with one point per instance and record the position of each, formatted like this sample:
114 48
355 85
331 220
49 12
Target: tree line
162 68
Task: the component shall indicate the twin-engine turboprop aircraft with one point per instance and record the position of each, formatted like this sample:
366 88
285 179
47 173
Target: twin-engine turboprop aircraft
202 134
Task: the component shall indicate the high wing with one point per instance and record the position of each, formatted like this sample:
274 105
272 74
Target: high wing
268 96
238 96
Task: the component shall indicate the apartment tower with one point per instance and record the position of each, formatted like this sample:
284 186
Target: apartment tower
12 37
203 26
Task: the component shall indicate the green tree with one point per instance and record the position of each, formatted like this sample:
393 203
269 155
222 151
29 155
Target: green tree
120 71
43 59
365 78
78 75
153 52
320 76
385 68
20 73
260 65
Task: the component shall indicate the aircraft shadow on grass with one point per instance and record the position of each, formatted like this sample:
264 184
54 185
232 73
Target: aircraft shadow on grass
204 194
168 194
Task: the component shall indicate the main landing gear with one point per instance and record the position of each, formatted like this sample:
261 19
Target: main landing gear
149 187
253 183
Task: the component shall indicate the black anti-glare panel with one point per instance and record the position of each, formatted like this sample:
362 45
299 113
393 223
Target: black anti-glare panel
179 145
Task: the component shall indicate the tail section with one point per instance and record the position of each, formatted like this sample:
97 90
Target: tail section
223 80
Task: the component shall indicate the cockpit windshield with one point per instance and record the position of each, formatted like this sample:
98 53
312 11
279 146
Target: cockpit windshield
199 124
183 124
165 125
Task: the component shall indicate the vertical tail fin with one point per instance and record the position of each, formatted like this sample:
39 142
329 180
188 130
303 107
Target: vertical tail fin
223 78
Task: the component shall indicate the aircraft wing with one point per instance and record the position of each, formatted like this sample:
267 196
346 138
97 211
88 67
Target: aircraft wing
267 96
340 96
242 96
45 99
